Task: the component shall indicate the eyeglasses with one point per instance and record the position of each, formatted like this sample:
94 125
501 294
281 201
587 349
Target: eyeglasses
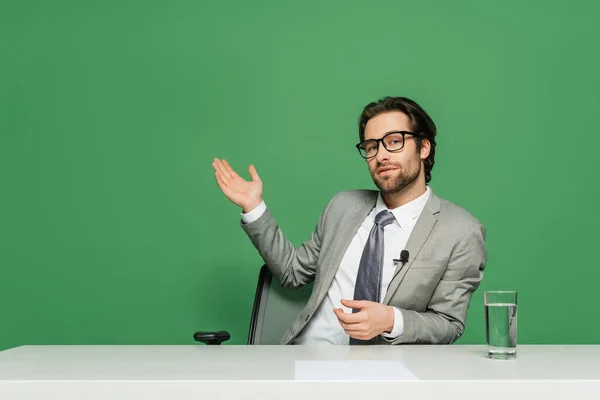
392 142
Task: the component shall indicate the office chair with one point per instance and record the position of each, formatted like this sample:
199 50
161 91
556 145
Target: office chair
274 310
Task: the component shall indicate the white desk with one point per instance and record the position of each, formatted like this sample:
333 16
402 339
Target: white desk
268 372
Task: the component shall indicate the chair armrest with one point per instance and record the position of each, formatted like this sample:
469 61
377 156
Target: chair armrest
217 337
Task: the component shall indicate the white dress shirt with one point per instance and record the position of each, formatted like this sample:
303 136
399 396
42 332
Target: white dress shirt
324 326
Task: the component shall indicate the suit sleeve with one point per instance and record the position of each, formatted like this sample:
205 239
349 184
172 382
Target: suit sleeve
292 266
444 320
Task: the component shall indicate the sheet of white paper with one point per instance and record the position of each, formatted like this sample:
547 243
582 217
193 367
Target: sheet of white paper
352 370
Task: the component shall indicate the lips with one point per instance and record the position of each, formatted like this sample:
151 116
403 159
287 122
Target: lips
385 169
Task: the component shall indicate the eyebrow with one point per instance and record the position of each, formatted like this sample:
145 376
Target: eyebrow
392 131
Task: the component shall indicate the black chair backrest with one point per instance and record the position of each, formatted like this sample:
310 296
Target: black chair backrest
275 308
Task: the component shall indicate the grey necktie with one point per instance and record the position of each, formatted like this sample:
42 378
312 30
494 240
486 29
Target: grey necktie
368 280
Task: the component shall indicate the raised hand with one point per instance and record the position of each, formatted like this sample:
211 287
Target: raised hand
247 195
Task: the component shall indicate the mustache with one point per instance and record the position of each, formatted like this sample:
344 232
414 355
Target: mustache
381 166
386 165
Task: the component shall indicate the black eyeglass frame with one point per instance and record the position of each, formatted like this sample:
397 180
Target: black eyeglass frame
381 140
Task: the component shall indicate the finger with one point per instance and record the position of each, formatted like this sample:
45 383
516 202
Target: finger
359 336
359 304
341 315
349 318
253 173
219 179
358 327
356 333
229 170
222 170
225 188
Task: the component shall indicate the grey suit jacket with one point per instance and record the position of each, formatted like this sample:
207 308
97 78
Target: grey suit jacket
433 289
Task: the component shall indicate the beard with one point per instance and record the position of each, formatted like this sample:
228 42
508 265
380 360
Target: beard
403 177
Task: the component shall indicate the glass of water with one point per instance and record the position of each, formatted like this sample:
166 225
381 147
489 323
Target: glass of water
501 324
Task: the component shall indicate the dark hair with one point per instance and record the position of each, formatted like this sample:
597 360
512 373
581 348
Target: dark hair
419 120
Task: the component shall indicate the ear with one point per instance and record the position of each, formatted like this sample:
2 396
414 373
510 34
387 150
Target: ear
425 149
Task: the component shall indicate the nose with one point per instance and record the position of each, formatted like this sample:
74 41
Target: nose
382 153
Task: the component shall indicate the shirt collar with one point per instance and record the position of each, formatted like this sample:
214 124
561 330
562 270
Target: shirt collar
407 212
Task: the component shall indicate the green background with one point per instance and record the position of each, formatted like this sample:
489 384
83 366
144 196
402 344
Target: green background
112 227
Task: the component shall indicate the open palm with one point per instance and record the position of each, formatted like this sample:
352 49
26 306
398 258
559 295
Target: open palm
247 195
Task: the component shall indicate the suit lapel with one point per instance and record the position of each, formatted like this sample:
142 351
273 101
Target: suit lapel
348 227
417 239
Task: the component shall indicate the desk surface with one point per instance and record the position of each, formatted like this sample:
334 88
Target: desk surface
209 363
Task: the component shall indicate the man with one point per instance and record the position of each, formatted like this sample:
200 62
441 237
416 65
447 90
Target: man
393 266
